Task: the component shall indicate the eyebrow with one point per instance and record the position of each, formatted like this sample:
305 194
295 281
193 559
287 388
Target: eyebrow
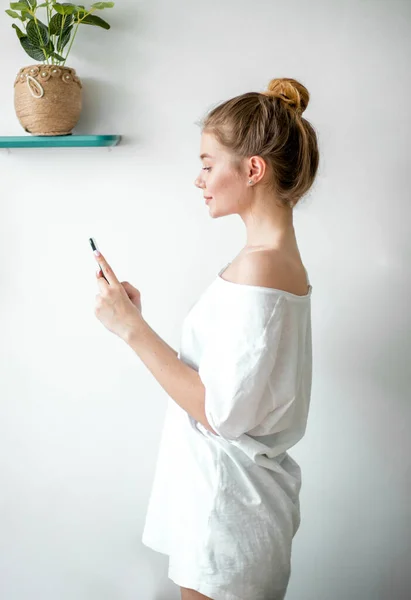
205 155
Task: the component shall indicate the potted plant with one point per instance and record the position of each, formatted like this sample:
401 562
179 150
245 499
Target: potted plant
48 95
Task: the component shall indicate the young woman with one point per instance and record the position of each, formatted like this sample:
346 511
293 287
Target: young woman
225 499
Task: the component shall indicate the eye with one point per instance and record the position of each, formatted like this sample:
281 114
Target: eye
206 168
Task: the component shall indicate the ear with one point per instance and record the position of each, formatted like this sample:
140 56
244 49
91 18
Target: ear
256 168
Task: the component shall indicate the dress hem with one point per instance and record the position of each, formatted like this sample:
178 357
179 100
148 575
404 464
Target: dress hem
202 588
154 547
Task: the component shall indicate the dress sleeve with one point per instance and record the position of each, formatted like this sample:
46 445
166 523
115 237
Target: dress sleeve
237 361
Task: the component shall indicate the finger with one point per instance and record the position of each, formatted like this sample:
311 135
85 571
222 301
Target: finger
130 289
107 270
101 281
100 274
103 285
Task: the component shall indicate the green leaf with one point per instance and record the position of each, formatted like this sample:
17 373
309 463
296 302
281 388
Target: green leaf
101 5
38 34
33 4
13 14
26 15
32 51
19 32
93 20
55 55
65 9
76 9
56 23
19 5
59 9
64 39
49 48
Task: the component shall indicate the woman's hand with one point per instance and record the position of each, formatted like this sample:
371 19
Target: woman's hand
118 305
133 294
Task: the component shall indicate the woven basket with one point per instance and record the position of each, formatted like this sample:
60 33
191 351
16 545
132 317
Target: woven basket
47 99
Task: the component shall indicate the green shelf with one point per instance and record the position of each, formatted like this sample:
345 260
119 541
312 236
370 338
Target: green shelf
62 141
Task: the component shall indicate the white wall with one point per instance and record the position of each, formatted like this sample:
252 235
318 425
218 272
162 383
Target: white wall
80 416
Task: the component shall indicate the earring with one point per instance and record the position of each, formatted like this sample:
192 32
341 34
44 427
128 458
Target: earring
250 182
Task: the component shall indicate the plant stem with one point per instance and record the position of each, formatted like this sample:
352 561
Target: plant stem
74 34
71 42
48 22
38 31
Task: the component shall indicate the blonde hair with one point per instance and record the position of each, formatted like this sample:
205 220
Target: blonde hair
270 125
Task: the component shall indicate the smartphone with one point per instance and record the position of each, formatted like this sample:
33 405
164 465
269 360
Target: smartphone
94 246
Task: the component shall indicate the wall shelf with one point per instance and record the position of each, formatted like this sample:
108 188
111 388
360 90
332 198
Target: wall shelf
62 141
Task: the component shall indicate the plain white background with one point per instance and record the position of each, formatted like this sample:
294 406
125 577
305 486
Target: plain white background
80 415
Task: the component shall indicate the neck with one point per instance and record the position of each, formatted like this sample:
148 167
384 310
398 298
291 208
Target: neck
270 227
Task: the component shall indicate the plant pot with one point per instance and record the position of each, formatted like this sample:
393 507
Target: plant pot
47 99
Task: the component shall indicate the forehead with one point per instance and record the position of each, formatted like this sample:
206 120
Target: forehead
209 147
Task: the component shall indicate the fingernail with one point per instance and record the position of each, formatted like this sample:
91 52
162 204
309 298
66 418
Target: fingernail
97 253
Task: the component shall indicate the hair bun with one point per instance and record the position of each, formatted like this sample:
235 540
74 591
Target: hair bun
292 92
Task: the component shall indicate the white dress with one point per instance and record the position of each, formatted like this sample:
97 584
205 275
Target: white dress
225 507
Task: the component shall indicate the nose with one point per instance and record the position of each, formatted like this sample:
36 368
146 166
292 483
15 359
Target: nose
198 182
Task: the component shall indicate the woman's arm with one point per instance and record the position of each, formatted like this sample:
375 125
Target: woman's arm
181 382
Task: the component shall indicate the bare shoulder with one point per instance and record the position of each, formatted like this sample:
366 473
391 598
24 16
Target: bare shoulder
271 269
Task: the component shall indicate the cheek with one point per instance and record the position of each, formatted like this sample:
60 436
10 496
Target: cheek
218 182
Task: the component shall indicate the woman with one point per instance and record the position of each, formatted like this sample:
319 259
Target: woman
225 499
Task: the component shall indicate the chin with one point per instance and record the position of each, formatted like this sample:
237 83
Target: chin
213 212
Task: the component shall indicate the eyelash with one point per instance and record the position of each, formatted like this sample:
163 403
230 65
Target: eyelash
206 168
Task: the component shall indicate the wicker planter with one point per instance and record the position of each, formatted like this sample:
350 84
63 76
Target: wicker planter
47 99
